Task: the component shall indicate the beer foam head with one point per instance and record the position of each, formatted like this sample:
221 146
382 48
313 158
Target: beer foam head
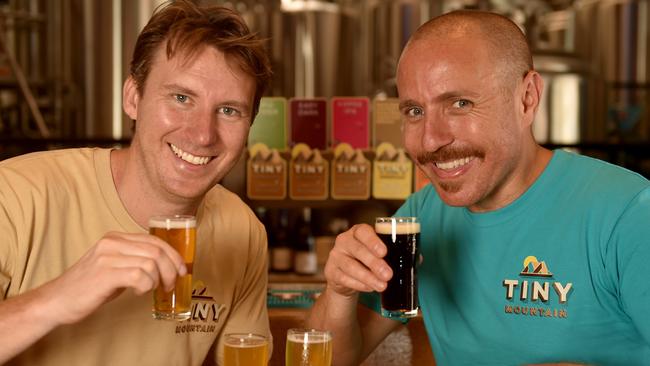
309 338
172 222
396 226
247 343
245 340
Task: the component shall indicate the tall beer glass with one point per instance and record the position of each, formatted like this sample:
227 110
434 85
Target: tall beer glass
401 236
179 232
245 349
308 347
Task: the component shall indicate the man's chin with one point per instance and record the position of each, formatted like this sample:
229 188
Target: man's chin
190 190
453 195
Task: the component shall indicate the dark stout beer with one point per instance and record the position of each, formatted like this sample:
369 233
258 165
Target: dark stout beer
401 236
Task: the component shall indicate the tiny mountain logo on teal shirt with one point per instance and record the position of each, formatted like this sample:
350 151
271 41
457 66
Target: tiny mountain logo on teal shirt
532 295
532 267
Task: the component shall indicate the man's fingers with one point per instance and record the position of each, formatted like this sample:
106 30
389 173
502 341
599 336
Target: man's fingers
148 246
365 234
345 281
361 253
150 268
351 270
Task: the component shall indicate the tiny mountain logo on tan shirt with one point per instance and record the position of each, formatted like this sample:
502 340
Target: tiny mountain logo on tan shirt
206 312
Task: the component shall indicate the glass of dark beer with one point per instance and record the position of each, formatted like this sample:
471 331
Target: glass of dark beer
180 232
401 235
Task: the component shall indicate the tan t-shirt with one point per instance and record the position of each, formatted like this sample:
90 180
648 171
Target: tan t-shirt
55 205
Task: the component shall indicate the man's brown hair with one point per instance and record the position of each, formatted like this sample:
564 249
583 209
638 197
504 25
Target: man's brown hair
187 27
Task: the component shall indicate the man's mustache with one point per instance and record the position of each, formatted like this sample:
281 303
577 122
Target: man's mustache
448 153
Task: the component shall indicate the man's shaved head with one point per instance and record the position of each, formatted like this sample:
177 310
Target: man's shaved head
505 42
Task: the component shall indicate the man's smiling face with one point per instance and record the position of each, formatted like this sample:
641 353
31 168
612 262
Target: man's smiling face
460 120
192 121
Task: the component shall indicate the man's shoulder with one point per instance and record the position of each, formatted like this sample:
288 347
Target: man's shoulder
220 199
582 163
48 166
222 196
595 175
49 158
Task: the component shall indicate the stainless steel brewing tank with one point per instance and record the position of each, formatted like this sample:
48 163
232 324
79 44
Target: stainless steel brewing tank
612 38
309 50
561 114
387 27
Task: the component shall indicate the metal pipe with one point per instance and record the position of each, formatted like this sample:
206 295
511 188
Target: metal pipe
24 87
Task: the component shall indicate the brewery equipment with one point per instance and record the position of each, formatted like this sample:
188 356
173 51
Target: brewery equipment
612 40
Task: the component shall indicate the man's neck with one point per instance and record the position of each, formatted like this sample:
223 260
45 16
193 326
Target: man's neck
535 159
138 197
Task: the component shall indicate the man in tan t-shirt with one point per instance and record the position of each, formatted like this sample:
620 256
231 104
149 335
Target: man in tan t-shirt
76 263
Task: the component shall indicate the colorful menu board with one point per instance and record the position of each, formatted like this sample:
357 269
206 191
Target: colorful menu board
309 127
270 125
266 174
350 121
308 120
387 125
308 174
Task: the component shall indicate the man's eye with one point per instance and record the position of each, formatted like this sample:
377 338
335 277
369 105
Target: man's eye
228 111
414 112
181 98
462 103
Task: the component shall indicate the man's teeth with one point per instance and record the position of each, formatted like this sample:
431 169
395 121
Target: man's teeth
192 159
453 164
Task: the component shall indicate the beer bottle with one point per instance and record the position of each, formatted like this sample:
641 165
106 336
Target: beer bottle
281 252
305 260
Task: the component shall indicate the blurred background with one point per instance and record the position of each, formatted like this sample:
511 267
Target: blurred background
62 64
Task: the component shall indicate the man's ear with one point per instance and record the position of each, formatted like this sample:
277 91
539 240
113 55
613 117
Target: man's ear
533 86
130 98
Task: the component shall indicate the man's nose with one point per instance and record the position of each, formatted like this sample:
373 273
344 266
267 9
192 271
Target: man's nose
204 128
437 132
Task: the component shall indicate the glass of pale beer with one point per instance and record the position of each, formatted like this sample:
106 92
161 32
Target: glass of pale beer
308 347
245 349
401 235
179 231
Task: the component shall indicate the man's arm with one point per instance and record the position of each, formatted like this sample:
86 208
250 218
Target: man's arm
24 321
356 329
355 264
116 262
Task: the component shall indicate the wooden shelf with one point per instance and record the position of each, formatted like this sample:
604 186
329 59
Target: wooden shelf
290 277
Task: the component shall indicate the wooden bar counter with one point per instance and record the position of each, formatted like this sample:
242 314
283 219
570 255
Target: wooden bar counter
406 346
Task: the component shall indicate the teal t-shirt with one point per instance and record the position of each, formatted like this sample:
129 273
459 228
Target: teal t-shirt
560 274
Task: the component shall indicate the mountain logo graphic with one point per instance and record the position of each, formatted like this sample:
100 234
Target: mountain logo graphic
199 292
533 267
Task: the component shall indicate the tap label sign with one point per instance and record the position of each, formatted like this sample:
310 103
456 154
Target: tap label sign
308 174
392 173
308 119
350 122
270 126
266 174
350 174
387 125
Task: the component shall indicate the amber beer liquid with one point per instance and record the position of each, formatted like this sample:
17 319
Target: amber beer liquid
308 347
401 235
179 232
245 349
